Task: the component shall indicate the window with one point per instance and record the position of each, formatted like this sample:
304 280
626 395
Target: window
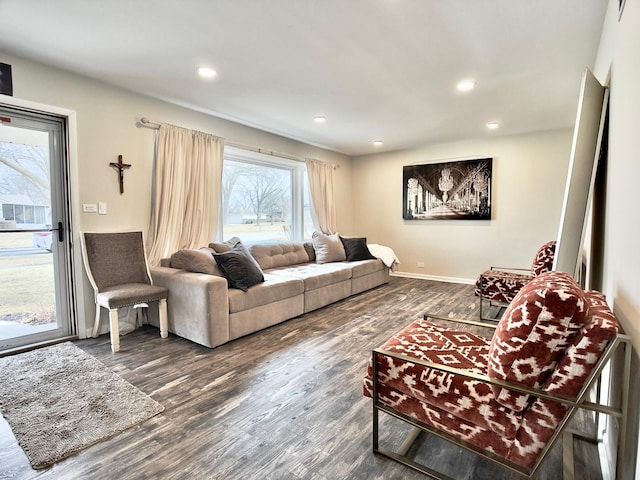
264 198
24 214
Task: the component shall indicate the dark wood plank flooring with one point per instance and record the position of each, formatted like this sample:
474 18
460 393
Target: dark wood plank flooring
284 403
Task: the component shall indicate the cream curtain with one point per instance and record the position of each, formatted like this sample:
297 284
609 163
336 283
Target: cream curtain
322 195
186 197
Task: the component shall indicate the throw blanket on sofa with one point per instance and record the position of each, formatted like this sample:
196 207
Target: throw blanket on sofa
386 254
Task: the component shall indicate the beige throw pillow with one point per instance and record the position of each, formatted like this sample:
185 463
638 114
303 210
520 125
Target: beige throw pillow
328 248
196 260
225 246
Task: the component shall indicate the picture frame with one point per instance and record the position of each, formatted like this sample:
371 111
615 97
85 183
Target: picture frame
6 81
451 190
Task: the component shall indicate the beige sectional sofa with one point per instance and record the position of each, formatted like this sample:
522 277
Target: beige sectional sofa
202 308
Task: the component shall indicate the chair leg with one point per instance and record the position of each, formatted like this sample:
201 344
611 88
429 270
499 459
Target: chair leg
141 316
481 297
482 316
568 469
164 328
115 332
96 323
141 313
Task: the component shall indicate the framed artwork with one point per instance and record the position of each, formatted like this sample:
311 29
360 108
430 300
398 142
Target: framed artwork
6 83
453 190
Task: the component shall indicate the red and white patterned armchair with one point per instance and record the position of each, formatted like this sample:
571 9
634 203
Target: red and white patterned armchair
507 398
500 285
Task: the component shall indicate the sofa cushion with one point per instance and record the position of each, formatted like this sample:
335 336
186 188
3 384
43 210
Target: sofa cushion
355 249
273 255
328 248
239 267
195 260
366 267
316 275
273 289
533 334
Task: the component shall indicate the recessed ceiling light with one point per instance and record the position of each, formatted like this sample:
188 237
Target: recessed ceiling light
206 72
466 85
319 119
378 143
493 125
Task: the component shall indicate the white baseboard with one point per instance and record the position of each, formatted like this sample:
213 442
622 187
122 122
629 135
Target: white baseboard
433 277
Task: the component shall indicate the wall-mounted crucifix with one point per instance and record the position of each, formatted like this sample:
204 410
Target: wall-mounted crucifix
121 167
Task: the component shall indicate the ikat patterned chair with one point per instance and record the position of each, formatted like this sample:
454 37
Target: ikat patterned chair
508 398
500 285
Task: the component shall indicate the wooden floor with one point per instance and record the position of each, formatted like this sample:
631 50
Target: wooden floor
284 403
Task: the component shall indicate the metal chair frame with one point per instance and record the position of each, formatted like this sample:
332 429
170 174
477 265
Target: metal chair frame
581 401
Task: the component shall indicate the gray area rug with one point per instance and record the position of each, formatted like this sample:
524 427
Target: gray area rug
59 400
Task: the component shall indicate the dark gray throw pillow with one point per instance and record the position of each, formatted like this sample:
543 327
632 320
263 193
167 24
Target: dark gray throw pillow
356 249
239 268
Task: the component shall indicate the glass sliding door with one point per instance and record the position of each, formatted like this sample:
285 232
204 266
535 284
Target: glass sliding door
35 270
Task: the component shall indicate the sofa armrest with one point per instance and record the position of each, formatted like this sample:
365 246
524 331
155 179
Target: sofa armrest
192 298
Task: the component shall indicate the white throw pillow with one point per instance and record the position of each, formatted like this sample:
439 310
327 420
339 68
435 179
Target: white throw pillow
328 248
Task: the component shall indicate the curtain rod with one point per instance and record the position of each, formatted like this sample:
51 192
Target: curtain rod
145 122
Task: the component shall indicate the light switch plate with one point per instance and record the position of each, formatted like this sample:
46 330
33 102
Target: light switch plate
102 208
89 208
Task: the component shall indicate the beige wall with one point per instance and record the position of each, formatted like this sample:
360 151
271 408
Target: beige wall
107 119
106 127
618 62
529 175
622 264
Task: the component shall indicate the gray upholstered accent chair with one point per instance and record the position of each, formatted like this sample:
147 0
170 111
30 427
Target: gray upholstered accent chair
117 268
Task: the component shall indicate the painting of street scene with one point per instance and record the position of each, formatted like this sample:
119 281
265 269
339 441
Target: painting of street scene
454 190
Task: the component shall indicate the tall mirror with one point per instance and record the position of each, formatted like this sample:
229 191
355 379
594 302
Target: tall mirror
585 150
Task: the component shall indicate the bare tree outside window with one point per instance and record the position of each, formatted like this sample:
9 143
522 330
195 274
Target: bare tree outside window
257 201
231 174
25 170
263 190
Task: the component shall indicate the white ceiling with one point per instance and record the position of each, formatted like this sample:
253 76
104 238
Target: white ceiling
377 69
